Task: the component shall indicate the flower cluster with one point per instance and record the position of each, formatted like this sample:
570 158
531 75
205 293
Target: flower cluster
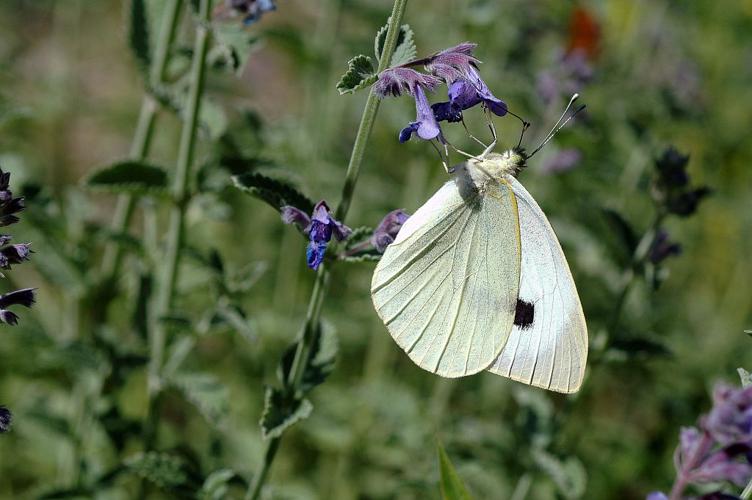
719 449
11 253
673 194
455 66
251 10
319 227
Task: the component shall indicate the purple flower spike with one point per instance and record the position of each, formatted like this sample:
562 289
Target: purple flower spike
562 161
453 63
251 10
387 229
425 124
398 81
466 92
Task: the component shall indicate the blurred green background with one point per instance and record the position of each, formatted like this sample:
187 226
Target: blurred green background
663 73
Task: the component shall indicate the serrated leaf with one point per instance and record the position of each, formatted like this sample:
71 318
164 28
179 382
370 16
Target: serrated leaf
371 256
138 33
275 192
321 361
130 177
205 392
281 411
216 485
360 74
404 51
162 469
568 475
359 235
452 487
745 377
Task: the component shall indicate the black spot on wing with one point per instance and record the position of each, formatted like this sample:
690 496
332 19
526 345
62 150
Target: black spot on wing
524 314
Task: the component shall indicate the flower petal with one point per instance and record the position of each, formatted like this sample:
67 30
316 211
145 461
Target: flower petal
315 254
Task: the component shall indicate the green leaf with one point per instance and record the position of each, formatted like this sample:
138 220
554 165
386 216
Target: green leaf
216 486
138 33
623 229
212 119
405 49
568 474
281 411
234 45
745 376
359 75
321 360
131 177
206 392
162 469
276 193
452 487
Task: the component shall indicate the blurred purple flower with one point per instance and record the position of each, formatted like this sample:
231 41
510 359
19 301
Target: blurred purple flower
425 124
720 450
14 254
251 10
387 230
656 495
672 168
572 72
466 92
319 228
6 418
663 248
672 190
397 81
730 420
562 160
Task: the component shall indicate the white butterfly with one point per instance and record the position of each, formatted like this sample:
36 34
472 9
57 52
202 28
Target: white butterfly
476 280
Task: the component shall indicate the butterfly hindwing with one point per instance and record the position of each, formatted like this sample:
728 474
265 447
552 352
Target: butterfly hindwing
447 287
548 344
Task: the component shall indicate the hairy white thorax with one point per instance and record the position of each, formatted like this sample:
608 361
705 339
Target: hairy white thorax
476 173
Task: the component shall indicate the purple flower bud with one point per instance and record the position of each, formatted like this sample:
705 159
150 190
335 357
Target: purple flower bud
6 418
662 248
466 92
685 203
24 297
398 81
292 215
453 63
387 230
730 420
672 168
425 124
562 160
722 466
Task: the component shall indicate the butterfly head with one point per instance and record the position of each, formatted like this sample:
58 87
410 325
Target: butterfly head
499 165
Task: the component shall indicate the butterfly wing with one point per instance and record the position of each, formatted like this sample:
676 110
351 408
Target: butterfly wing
446 288
548 344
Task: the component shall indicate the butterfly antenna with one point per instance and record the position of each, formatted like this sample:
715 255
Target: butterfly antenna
560 123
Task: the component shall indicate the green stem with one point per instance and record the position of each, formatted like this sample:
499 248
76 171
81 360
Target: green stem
113 253
316 301
747 493
176 229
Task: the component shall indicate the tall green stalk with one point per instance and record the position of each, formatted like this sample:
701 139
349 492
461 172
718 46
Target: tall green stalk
176 228
303 351
144 130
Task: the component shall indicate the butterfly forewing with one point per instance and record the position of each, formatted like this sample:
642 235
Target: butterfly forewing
548 344
447 287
